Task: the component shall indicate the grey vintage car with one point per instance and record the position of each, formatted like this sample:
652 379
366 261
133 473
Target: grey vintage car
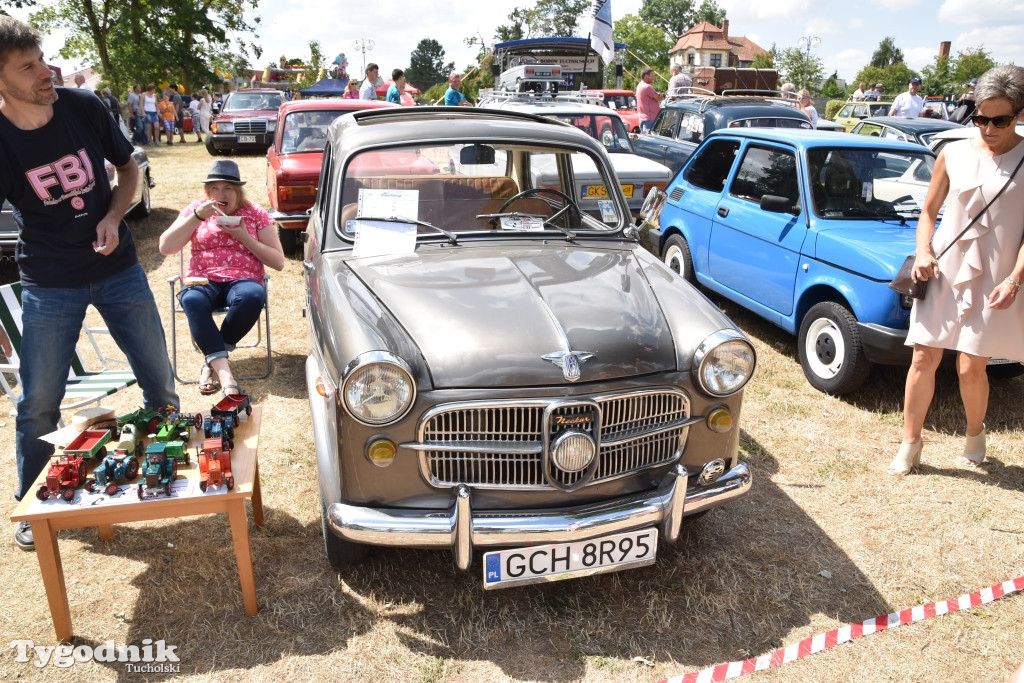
492 367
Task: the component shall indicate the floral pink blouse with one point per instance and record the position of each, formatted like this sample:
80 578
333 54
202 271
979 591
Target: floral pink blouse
221 258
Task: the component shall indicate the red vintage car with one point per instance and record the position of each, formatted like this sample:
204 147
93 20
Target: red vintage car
293 161
624 104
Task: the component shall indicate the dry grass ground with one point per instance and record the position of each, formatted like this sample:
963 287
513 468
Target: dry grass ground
744 579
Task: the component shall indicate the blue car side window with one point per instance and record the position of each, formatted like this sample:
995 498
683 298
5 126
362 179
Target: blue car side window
710 168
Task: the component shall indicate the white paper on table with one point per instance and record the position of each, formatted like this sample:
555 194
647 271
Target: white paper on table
379 238
388 204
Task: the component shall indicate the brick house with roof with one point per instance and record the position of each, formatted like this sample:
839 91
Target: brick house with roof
708 45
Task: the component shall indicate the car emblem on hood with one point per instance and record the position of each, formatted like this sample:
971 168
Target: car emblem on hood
570 362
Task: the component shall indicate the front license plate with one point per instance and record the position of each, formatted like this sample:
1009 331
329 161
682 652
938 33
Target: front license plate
247 138
600 191
504 568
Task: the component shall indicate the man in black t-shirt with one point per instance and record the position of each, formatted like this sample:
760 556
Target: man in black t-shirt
74 248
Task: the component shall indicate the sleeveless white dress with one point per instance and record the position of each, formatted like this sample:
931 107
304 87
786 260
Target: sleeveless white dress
954 314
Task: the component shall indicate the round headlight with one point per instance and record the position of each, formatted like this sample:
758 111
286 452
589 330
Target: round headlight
573 451
723 364
378 388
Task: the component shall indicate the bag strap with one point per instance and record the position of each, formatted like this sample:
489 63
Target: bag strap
982 213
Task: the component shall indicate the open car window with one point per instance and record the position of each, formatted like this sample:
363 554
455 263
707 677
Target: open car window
866 183
486 187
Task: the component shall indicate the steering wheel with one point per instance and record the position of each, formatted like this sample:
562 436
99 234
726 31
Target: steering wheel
569 203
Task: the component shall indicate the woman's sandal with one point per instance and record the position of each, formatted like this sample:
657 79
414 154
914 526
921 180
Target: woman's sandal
238 390
208 384
907 459
974 449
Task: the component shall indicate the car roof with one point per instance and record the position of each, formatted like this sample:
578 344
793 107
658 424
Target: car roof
817 138
370 127
257 90
917 125
549 107
612 91
335 103
747 105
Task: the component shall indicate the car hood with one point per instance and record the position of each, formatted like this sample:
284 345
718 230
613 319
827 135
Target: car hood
874 250
486 318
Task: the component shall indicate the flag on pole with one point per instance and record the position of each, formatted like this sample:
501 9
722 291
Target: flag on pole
601 35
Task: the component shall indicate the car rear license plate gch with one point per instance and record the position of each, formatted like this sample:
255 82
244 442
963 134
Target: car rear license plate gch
247 138
505 568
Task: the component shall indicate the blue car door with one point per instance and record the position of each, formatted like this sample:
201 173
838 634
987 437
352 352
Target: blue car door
753 252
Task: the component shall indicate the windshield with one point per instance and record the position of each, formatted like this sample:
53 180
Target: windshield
620 101
858 183
490 187
306 131
608 130
247 100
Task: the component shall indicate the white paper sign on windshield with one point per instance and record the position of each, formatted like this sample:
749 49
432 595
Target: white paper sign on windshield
384 238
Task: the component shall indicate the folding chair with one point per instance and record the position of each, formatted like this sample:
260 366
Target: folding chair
83 386
175 286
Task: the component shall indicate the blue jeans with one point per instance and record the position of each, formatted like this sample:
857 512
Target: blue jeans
244 300
52 321
645 126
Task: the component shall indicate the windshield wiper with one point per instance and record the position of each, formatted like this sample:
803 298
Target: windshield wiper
884 215
452 239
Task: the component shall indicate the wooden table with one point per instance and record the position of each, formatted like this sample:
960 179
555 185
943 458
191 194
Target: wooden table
48 519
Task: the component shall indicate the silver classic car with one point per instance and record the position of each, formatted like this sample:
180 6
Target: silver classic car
494 368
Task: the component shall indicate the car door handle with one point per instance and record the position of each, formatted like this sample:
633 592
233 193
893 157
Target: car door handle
723 211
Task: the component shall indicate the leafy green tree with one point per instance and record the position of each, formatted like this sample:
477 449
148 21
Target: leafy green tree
518 27
937 78
887 54
765 60
153 40
426 64
674 17
314 63
831 87
894 77
648 45
971 63
710 12
558 17
800 68
15 3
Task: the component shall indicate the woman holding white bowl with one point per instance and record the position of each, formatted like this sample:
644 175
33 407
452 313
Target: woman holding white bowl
232 240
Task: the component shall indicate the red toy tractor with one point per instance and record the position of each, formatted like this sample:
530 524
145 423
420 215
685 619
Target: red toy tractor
215 465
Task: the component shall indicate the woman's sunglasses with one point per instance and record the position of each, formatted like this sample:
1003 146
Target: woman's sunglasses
997 121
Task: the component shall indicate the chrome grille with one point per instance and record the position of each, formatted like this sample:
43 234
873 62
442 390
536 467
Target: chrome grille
251 127
501 444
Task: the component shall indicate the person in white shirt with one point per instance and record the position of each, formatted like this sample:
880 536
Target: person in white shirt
908 104
858 94
368 90
803 99
680 83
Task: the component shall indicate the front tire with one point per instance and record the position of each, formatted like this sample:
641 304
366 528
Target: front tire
830 349
676 256
210 148
340 553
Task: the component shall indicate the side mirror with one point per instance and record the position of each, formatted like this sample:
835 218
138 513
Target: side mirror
777 204
652 206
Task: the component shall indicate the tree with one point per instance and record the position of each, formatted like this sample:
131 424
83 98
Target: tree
765 60
887 54
426 64
558 18
710 12
648 46
831 87
800 68
315 62
519 28
674 17
894 77
971 63
16 3
153 40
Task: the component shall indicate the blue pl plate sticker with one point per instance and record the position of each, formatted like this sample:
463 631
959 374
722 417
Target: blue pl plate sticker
493 568
607 207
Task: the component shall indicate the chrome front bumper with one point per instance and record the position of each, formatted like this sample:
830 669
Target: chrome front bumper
291 221
461 529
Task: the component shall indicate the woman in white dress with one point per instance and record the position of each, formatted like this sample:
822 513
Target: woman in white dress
971 306
205 111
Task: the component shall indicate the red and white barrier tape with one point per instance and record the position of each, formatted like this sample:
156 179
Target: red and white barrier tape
838 636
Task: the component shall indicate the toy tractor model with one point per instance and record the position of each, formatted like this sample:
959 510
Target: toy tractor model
146 421
175 450
157 472
117 467
129 441
177 427
66 473
224 417
215 465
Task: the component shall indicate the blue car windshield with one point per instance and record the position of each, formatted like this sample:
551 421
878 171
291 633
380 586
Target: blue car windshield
862 182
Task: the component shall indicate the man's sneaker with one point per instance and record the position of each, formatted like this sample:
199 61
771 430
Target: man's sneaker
23 536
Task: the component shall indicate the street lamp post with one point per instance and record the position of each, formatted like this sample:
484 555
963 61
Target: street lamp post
363 45
808 42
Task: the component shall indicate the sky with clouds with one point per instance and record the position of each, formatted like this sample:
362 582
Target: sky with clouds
849 30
